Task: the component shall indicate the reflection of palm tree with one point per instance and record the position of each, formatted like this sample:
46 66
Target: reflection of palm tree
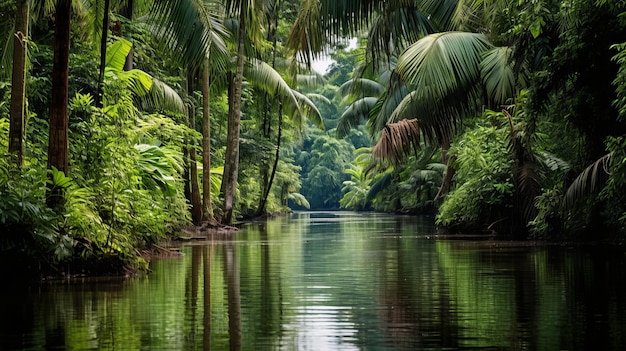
207 259
191 295
234 297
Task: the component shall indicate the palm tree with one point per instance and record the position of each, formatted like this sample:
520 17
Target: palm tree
249 16
449 75
179 23
291 103
207 209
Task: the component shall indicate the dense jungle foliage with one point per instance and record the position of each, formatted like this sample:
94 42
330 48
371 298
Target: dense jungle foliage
123 121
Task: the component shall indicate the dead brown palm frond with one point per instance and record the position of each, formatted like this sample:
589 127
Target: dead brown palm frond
589 182
397 140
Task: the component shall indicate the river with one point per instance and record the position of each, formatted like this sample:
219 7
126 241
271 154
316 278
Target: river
336 281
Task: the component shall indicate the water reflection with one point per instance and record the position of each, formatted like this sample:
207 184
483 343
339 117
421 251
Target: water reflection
336 281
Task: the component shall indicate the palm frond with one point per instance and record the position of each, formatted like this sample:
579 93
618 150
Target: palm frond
216 179
436 123
437 167
589 182
319 98
307 38
162 97
398 140
363 157
309 110
387 104
347 17
310 80
139 82
354 114
7 32
117 53
554 163
192 28
497 74
444 68
443 13
41 9
443 63
299 200
425 176
360 87
253 12
265 77
395 29
378 186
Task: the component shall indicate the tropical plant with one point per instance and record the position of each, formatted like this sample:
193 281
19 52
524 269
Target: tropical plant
485 192
178 24
363 173
324 167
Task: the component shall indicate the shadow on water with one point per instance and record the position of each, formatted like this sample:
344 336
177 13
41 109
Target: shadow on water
336 281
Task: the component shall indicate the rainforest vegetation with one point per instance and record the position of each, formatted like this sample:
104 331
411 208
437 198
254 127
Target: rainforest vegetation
123 121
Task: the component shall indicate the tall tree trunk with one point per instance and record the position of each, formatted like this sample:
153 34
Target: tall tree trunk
207 209
266 179
264 168
234 116
196 203
58 135
18 82
127 12
230 79
103 52
186 182
275 166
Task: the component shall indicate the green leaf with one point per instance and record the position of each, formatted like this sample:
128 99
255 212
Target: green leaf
117 53
536 28
497 74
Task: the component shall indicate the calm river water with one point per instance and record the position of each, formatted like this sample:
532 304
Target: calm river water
336 281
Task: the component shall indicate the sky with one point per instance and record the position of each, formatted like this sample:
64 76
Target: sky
322 64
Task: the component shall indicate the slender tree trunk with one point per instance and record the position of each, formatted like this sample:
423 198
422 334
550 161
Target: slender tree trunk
234 116
264 167
275 166
18 82
127 12
58 135
230 78
186 182
103 52
196 203
266 179
207 209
